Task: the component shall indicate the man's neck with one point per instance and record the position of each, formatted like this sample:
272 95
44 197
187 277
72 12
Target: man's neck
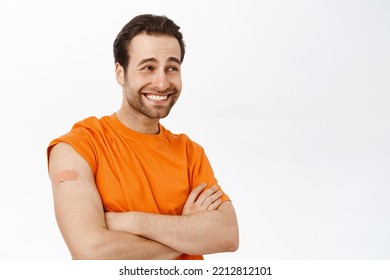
141 124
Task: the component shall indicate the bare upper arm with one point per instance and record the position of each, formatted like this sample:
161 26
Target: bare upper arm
231 220
77 203
229 212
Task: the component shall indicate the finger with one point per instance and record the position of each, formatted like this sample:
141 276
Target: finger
215 204
206 194
210 200
195 193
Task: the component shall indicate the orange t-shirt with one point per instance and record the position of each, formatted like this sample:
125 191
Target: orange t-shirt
140 172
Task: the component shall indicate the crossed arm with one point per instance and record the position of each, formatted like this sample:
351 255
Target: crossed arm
206 225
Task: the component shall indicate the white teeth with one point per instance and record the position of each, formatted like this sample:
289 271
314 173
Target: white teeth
156 97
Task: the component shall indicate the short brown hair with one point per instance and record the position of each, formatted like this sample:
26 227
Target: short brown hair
149 24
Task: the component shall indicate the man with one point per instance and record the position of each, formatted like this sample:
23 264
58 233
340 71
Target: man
125 187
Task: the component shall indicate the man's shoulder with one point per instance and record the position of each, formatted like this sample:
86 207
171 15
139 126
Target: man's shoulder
86 129
183 139
92 125
92 122
85 137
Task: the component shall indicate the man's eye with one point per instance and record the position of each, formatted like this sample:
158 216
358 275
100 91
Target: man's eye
173 69
148 68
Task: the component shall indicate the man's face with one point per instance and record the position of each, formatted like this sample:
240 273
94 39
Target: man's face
152 83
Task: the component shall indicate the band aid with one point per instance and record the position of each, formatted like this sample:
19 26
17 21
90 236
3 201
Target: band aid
66 175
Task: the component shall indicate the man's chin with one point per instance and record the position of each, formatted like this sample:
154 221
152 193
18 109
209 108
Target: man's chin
157 115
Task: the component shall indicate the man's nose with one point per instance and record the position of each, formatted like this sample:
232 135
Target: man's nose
160 81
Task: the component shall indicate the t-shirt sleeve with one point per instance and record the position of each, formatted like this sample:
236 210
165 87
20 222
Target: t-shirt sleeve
201 170
82 142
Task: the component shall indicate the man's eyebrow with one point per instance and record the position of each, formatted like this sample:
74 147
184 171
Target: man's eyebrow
152 59
174 59
146 60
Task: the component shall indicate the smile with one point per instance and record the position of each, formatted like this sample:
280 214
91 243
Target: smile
155 97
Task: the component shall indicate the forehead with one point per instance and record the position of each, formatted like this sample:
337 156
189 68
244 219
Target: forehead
159 47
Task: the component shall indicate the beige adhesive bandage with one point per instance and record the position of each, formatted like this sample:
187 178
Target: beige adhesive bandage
66 175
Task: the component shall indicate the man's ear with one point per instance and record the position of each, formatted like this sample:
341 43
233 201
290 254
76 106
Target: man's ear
119 74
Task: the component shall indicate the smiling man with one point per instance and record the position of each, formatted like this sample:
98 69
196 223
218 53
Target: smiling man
151 82
124 186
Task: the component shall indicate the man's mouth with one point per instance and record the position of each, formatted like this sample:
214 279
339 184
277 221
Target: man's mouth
155 97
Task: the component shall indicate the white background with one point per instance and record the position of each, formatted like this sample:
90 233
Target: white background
290 99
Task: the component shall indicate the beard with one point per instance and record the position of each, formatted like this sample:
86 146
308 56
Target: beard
138 103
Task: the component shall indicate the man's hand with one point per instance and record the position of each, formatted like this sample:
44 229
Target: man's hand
200 199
